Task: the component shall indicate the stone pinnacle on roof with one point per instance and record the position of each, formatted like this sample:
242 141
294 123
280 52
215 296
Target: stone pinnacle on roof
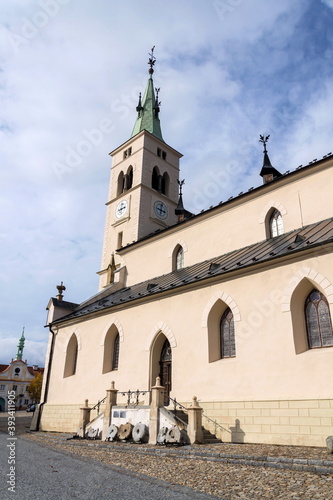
268 172
61 288
148 107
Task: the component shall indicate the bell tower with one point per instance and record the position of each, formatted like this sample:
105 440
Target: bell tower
143 192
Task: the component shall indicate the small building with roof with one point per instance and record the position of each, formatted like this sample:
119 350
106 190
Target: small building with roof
16 378
232 305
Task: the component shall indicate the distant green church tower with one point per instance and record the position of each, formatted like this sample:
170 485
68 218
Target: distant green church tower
20 346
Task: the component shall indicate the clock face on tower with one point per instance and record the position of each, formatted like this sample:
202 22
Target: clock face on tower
121 209
161 210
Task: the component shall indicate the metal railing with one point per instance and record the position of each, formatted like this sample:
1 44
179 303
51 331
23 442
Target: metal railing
175 406
216 424
133 396
98 405
184 409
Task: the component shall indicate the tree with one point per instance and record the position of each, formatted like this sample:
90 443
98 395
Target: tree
35 387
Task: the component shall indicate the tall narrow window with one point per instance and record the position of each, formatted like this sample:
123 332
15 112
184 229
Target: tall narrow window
120 183
129 178
115 357
180 258
166 370
155 179
165 184
227 338
71 357
120 239
318 320
276 224
111 350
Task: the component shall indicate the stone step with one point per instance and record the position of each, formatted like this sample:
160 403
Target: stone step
210 438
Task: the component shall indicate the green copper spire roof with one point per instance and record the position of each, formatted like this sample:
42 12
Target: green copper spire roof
148 108
20 346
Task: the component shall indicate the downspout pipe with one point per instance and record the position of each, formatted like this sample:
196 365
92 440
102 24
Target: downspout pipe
47 381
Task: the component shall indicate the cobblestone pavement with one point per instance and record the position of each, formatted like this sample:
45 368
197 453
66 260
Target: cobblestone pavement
226 471
48 473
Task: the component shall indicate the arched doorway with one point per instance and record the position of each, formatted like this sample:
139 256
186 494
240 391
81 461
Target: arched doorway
166 369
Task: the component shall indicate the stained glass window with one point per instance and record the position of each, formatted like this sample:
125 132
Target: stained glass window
228 347
318 320
115 359
276 224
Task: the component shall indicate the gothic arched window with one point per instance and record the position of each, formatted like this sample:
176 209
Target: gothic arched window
71 357
111 350
120 183
180 258
227 335
318 320
165 184
276 224
115 359
154 179
129 178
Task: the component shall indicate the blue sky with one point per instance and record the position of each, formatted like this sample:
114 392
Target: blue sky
70 74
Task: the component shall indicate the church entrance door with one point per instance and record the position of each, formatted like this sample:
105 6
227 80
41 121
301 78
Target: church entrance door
166 369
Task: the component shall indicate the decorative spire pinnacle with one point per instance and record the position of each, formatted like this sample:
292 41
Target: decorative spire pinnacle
268 172
264 141
61 288
20 346
152 60
180 184
157 104
180 210
139 107
148 107
111 269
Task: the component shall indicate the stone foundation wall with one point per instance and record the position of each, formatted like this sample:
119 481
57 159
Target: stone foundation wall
298 423
62 418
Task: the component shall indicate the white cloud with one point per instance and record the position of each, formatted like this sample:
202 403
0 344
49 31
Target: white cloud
329 3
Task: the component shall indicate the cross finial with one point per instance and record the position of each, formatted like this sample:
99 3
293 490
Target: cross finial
152 60
180 183
264 140
61 288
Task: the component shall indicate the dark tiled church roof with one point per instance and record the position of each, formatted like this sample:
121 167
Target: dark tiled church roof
308 237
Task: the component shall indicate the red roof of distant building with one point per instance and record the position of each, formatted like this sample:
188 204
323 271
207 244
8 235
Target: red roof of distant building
35 371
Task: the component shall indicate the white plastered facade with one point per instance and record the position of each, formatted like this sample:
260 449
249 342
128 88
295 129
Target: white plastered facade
272 391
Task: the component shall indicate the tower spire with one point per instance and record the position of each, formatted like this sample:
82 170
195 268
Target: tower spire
148 107
20 346
180 211
268 172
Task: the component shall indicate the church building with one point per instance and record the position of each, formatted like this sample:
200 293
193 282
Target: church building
15 379
232 305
